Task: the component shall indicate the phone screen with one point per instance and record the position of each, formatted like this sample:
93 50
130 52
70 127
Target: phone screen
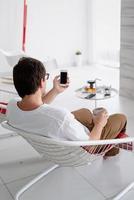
63 77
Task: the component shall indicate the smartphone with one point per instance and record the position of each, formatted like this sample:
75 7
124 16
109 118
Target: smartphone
90 96
63 77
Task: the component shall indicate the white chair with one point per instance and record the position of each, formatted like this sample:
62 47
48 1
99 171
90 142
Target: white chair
2 112
12 57
68 153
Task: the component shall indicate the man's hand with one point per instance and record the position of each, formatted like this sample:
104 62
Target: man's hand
101 118
57 87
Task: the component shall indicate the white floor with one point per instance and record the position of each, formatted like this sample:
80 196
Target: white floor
19 163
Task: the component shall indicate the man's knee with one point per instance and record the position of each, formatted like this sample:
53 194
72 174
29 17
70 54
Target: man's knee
119 117
85 110
83 115
123 117
118 121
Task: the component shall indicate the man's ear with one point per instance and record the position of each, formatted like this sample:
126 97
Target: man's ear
42 83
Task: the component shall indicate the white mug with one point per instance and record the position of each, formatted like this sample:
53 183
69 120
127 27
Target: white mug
97 110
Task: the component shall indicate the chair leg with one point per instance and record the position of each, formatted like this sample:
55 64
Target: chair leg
35 180
123 192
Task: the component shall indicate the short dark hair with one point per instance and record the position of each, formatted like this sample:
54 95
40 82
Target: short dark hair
27 75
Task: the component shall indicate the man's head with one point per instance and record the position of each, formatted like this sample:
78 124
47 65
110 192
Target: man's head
28 75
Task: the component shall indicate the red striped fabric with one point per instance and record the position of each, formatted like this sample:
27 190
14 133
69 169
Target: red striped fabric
3 110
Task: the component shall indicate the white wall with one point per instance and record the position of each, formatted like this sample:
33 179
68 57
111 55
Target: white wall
104 30
90 21
11 18
57 29
127 49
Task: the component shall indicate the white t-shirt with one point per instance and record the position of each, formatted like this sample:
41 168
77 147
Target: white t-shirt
47 120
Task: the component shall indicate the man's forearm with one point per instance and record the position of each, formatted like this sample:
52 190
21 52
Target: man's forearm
95 134
50 96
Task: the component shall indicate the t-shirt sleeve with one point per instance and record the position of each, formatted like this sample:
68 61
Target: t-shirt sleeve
72 129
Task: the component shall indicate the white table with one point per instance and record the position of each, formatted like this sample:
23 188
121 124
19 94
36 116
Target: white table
99 95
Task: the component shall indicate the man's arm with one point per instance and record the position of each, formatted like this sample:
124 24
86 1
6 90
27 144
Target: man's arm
50 96
57 89
95 134
100 121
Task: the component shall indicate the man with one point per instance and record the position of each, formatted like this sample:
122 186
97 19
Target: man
34 113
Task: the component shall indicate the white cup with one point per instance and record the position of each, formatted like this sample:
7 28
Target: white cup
97 110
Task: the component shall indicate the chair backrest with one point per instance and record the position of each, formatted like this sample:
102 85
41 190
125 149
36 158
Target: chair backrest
65 153
12 57
53 150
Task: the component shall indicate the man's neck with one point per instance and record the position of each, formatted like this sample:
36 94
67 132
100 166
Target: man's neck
30 102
